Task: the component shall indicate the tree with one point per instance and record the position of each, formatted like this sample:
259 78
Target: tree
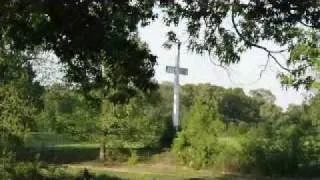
263 96
67 111
227 28
237 106
106 26
20 99
139 123
86 36
294 114
96 40
196 145
190 93
304 56
268 111
312 112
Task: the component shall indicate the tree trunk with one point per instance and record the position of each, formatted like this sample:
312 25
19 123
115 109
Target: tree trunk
102 154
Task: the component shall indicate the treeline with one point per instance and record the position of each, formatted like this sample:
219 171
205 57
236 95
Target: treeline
220 128
67 111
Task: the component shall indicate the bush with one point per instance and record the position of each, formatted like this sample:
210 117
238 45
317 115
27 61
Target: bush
10 142
134 158
36 170
12 170
197 145
117 155
283 149
230 156
280 151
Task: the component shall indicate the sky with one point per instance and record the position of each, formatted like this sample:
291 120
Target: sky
245 74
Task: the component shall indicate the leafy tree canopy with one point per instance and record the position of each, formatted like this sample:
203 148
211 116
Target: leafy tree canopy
226 28
85 35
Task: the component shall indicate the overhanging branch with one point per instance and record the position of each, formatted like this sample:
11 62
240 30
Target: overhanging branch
270 53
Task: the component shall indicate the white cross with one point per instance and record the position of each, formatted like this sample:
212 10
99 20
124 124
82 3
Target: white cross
176 70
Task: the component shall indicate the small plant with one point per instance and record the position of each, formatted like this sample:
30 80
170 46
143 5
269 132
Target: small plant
134 158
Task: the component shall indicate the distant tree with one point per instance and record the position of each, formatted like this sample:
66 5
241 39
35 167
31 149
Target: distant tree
263 96
68 112
137 124
294 113
191 92
312 112
237 106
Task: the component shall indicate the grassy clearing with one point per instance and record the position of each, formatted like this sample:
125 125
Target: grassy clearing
153 165
43 139
128 173
144 173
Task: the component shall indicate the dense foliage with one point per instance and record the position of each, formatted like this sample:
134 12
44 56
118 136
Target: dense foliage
227 28
273 143
20 99
197 143
88 34
96 40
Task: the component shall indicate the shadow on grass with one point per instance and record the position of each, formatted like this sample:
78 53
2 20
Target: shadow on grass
224 177
59 155
248 177
73 154
103 177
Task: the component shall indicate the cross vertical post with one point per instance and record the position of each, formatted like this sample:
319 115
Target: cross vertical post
176 70
176 96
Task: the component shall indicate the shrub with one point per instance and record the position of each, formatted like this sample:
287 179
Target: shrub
12 170
197 145
281 152
134 158
230 156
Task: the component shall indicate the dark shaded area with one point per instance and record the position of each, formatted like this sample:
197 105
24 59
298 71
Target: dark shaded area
247 177
103 177
70 155
59 155
86 175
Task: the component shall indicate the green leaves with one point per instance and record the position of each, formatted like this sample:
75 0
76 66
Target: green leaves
20 98
138 122
68 112
172 39
197 143
304 60
85 36
226 28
